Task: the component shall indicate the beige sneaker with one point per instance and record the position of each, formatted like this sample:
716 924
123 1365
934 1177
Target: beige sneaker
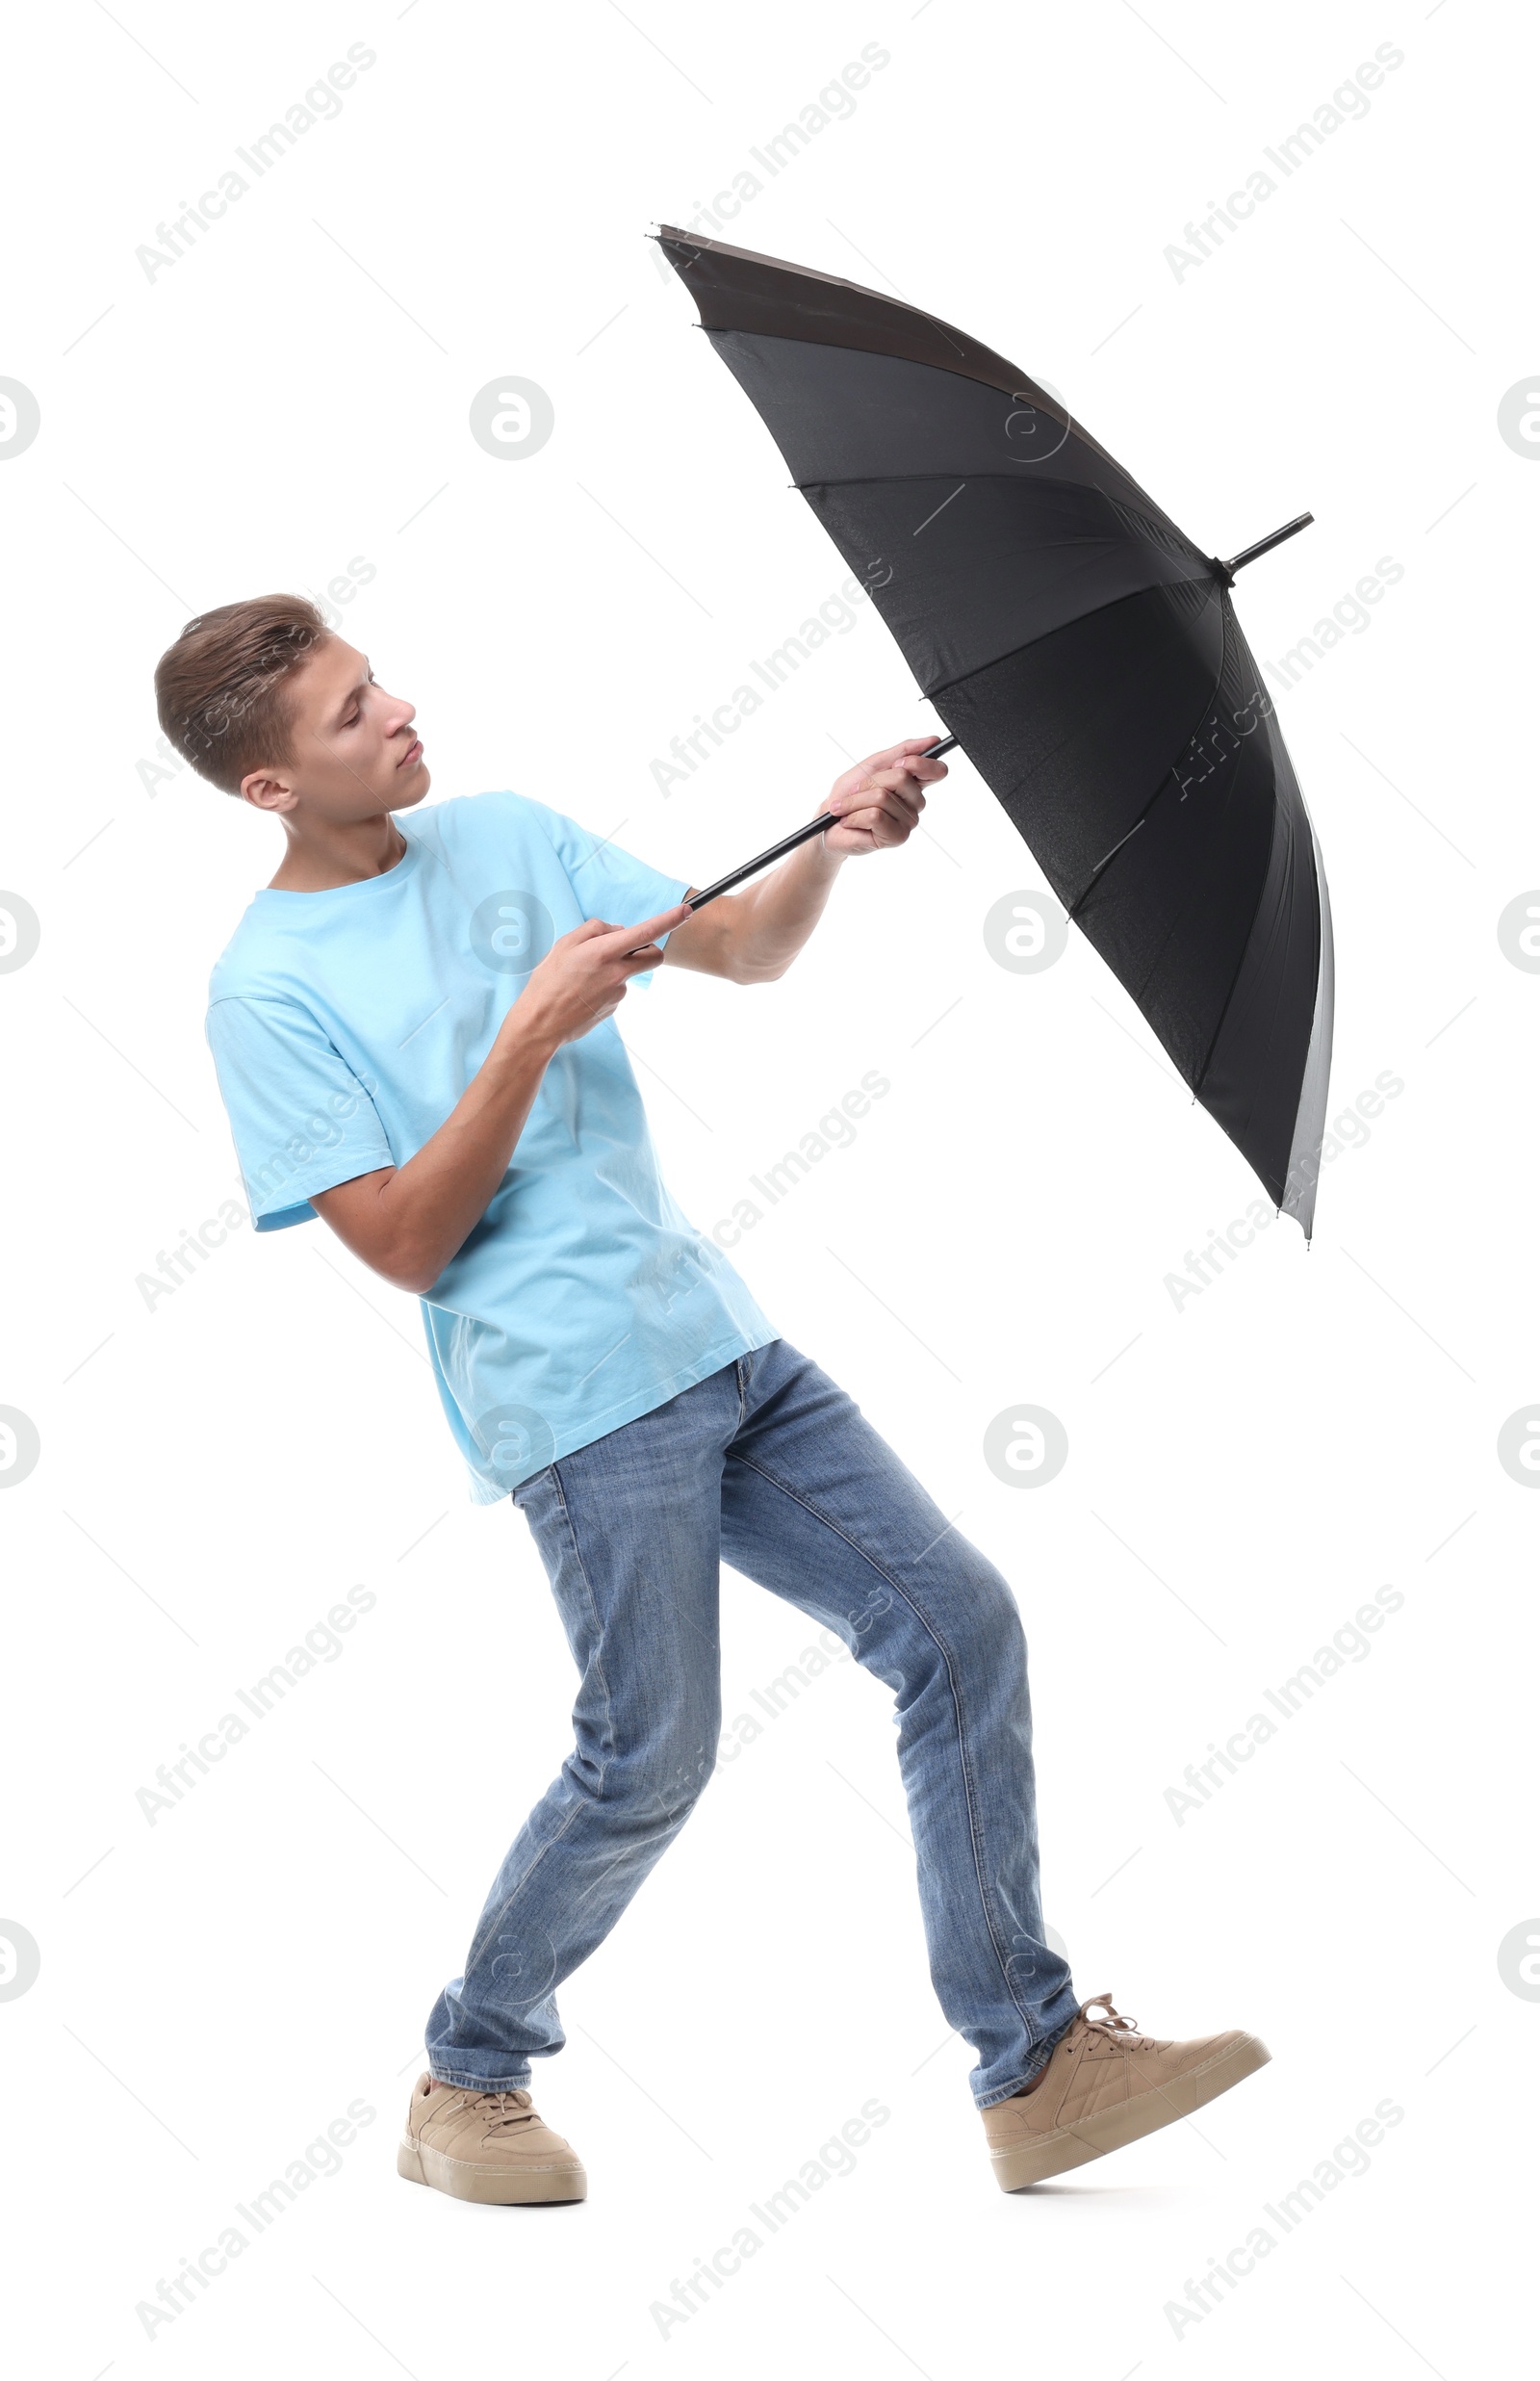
486 2145
1106 2085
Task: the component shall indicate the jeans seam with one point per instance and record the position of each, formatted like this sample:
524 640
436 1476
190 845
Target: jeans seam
485 1933
593 1614
968 1782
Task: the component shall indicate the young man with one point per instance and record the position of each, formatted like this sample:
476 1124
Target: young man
413 1029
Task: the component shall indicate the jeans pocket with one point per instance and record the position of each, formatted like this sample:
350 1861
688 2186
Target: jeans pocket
539 1483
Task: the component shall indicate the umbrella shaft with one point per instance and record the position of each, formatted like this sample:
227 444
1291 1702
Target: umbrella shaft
789 842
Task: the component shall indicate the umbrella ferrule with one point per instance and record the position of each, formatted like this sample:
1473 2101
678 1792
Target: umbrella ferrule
1264 545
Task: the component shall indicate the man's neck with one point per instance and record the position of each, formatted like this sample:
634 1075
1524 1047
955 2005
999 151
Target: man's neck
320 859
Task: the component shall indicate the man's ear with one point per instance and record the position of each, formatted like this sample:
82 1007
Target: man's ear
266 792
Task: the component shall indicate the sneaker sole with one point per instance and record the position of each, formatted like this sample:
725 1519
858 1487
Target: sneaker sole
491 2186
1022 2165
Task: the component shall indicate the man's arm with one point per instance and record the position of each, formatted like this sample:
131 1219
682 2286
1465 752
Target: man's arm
753 936
408 1221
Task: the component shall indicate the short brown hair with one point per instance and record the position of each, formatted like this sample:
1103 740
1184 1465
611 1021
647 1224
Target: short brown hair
219 690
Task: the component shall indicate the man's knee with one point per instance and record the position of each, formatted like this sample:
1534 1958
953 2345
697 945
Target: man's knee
991 1606
919 1643
655 1779
989 1623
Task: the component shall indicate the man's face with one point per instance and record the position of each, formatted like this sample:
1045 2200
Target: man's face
354 751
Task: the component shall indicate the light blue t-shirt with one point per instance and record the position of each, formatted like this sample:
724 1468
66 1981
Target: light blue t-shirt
346 1025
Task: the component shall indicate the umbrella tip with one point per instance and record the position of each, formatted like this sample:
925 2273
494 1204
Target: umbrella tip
1264 545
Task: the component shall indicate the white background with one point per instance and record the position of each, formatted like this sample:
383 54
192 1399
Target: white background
1244 1469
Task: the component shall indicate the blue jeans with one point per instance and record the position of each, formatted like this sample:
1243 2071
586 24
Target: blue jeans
769 1466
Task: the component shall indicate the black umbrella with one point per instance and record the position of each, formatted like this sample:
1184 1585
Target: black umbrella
1087 656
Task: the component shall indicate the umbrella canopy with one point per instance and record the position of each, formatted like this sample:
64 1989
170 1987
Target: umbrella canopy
1085 655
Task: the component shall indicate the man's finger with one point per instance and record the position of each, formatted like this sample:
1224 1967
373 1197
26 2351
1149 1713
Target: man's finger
647 929
890 804
905 792
902 775
892 811
912 748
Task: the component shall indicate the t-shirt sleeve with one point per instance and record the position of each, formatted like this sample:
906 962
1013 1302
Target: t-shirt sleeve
301 1119
608 882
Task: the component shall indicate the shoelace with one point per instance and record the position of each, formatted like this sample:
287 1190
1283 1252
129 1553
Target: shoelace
1111 2023
504 2109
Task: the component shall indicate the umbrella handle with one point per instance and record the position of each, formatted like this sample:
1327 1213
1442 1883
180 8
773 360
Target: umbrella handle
789 842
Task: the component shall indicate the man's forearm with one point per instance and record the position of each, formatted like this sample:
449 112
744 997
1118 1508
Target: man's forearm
440 1195
409 1222
753 936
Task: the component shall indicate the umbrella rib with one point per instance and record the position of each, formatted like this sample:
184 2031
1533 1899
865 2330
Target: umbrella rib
929 693
1224 1010
1195 1085
1284 921
1109 857
1229 997
1118 845
1107 862
1153 518
1085 487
